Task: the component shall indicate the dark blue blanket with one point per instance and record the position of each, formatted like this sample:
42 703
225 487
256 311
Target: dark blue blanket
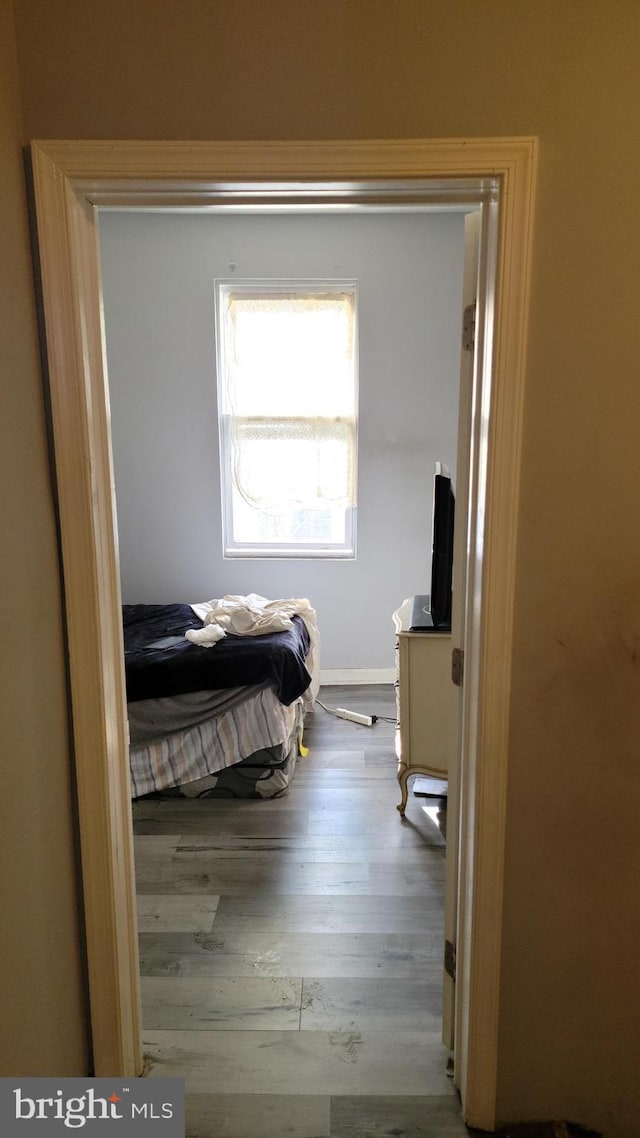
159 661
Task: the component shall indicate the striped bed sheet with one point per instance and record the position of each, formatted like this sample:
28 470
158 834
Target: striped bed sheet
259 722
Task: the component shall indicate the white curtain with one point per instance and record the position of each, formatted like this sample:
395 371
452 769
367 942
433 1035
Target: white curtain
290 397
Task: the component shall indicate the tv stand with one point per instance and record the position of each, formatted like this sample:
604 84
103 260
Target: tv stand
426 732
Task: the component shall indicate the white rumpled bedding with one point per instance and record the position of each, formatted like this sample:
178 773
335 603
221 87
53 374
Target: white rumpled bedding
254 615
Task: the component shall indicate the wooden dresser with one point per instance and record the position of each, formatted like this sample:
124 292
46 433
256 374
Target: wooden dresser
426 734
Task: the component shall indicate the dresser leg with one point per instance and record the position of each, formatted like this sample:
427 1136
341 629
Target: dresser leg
403 779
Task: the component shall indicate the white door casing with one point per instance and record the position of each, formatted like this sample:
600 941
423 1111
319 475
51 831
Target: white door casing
470 380
72 180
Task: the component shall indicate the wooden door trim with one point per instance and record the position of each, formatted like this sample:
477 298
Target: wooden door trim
71 181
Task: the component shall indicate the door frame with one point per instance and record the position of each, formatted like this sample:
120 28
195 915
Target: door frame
476 284
72 180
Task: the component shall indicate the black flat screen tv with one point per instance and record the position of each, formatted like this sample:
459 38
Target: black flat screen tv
433 611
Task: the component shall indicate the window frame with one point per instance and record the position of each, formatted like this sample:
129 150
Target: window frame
232 549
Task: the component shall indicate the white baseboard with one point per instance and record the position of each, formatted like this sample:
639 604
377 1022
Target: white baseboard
357 675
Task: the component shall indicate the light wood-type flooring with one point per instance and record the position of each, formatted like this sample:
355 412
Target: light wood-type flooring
291 949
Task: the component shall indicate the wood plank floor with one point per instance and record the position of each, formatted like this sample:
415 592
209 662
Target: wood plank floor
291 949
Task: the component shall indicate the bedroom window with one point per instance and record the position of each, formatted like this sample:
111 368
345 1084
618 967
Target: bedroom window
287 399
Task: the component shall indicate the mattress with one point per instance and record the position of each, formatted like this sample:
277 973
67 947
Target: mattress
151 720
257 723
266 773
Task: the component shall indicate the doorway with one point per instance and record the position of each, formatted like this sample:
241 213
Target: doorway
72 180
158 274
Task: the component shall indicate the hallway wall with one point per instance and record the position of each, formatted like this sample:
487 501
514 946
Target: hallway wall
569 1044
43 1025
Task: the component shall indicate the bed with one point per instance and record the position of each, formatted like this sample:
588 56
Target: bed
219 719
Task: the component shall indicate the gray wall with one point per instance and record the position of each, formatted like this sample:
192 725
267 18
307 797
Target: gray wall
158 273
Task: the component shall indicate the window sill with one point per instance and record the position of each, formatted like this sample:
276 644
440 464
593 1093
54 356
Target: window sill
290 554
